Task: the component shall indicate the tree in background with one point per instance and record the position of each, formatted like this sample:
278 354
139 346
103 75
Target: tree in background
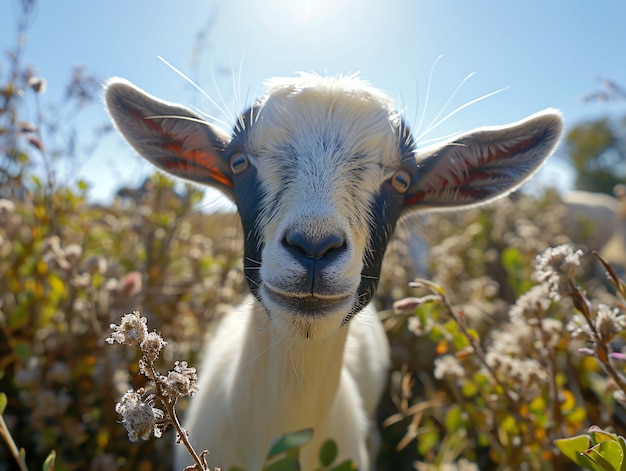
597 148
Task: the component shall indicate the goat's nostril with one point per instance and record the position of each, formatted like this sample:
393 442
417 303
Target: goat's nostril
315 248
332 243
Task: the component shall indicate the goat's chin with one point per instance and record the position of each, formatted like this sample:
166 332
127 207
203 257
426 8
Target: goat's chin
306 317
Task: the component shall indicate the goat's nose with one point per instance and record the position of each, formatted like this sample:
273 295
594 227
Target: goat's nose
314 248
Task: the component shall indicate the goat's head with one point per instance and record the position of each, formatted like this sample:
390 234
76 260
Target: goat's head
320 170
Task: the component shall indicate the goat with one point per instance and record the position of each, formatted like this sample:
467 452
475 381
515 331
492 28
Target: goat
592 219
320 169
597 222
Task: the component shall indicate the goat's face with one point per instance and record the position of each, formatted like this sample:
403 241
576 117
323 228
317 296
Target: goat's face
325 158
320 170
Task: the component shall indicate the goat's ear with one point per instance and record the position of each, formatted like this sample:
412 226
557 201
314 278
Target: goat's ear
484 164
171 137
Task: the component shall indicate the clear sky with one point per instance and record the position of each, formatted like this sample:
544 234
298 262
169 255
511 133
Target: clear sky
546 53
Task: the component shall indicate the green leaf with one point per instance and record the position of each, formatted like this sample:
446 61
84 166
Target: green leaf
428 440
453 418
328 452
48 465
469 389
36 181
483 440
83 185
460 341
608 455
598 435
345 466
574 447
3 402
289 441
622 443
514 264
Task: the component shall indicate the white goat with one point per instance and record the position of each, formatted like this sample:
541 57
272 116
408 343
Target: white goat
593 218
320 170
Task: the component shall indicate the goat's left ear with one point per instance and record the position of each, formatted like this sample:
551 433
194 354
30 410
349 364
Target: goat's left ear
484 164
172 137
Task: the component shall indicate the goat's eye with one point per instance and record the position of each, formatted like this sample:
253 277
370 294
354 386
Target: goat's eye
238 163
401 181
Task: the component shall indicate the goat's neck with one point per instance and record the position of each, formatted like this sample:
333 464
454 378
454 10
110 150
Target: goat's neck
297 379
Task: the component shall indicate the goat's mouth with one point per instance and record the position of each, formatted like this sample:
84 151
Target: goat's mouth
311 304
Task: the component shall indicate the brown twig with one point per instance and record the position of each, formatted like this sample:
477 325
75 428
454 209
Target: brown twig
169 406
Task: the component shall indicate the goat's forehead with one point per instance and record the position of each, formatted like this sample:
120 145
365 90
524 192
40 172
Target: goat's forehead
344 84
311 113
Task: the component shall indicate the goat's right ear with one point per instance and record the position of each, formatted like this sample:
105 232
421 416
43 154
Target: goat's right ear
171 137
484 164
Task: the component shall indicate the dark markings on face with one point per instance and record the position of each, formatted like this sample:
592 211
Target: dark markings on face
385 210
248 195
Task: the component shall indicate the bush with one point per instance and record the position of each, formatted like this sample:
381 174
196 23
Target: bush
63 282
492 361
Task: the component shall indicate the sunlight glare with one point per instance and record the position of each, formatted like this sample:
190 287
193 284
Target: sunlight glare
305 11
312 13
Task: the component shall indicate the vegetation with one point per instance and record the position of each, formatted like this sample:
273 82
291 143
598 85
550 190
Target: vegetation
493 358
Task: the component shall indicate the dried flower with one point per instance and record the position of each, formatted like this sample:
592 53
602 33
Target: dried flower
420 327
556 267
449 367
139 417
553 332
609 322
531 305
151 346
520 373
182 381
132 330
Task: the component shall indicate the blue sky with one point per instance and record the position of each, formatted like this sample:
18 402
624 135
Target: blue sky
546 54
